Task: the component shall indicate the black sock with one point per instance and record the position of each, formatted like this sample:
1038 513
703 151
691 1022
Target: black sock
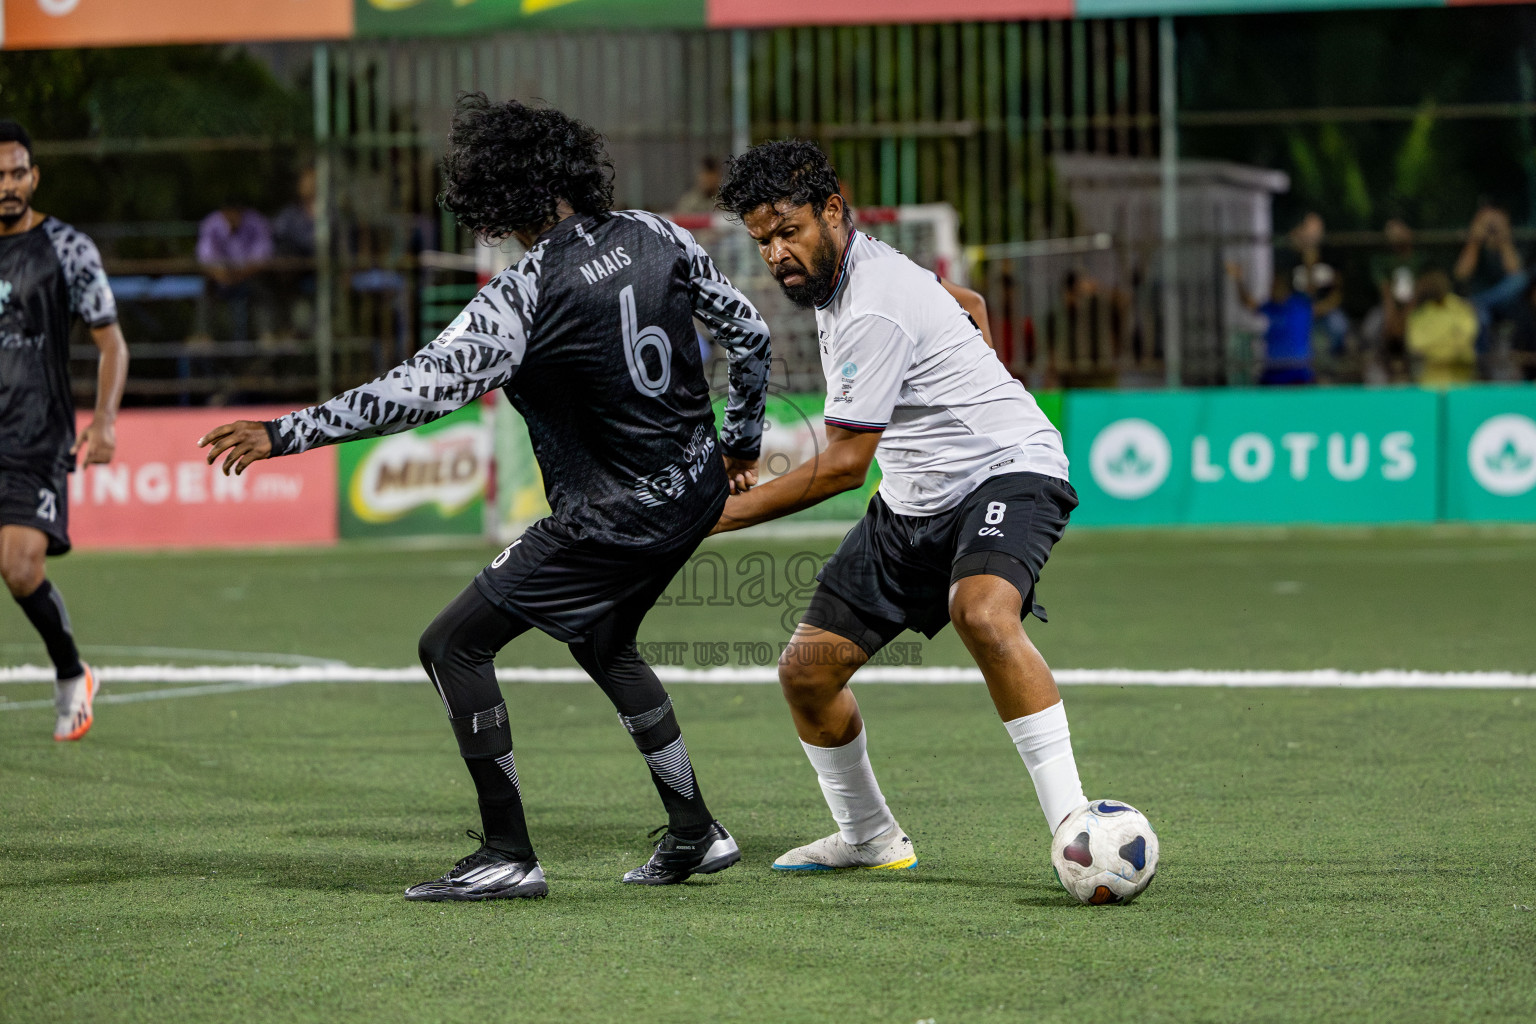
661 742
45 608
501 805
458 651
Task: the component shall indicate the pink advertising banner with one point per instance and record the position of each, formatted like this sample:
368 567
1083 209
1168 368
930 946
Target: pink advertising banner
158 493
754 13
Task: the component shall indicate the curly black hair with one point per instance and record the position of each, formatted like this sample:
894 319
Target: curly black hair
509 165
788 170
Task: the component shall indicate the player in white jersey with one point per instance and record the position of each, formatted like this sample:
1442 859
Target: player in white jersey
974 494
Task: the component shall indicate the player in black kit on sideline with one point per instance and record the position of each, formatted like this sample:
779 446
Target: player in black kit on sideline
591 337
49 274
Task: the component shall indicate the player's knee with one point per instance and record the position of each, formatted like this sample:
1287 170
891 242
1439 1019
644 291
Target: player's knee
981 624
22 573
436 643
806 678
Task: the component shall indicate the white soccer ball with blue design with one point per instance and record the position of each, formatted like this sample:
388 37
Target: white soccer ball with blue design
1105 852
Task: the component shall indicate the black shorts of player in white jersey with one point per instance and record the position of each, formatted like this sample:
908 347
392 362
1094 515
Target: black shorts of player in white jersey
893 572
39 500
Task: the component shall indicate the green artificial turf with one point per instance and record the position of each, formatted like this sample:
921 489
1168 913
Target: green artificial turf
1327 855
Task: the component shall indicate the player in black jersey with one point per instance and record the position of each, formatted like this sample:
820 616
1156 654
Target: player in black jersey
49 274
591 338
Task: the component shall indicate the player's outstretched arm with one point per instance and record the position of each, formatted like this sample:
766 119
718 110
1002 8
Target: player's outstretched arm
842 466
476 353
99 438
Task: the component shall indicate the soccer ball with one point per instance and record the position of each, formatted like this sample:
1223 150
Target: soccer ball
1105 852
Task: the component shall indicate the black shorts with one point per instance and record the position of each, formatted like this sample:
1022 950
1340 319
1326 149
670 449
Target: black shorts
565 586
39 500
893 572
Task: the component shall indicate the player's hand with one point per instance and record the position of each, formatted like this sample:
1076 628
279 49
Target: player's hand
99 440
246 441
742 474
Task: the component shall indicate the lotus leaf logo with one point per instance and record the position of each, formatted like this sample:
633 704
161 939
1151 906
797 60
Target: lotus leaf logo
849 369
5 294
1130 459
1502 454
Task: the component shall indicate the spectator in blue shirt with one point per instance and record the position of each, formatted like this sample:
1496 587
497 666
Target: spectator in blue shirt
1288 334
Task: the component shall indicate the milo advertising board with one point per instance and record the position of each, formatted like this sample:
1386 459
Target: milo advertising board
430 480
1335 455
1490 453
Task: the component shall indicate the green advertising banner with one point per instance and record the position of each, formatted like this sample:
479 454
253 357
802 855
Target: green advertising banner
1490 453
428 481
1052 404
1334 455
457 17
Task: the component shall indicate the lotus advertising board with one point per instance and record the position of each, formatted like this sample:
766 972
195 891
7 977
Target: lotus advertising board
1490 453
1335 455
431 480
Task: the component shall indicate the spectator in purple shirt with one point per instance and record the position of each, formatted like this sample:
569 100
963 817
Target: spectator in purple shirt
234 245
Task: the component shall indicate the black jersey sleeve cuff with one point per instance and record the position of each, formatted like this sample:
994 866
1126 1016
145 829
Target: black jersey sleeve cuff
274 438
741 451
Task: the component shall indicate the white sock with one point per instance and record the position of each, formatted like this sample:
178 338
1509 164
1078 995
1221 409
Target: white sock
1045 744
853 795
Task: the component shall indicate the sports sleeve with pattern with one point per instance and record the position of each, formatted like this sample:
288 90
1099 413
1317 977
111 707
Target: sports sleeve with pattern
739 329
476 353
871 357
90 294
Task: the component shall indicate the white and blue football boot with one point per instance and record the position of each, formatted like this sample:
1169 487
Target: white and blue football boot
890 851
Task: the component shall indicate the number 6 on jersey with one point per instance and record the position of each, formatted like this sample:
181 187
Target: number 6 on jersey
636 341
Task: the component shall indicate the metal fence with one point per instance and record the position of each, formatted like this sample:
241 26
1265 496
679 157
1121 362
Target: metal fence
987 117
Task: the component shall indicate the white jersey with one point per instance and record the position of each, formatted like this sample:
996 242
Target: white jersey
903 358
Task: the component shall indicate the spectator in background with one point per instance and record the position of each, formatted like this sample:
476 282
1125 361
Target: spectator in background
1395 273
1523 343
1488 271
1288 329
234 245
1442 333
1319 280
293 242
706 186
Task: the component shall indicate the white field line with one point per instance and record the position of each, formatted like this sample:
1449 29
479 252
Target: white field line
191 681
190 653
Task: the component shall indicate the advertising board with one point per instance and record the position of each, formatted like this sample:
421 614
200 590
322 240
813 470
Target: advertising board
1337 455
427 481
53 24
1490 453
158 491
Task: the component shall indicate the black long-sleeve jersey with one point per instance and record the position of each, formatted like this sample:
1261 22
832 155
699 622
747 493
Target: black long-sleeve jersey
591 337
48 276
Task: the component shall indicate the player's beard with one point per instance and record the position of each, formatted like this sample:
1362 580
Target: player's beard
817 286
13 208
